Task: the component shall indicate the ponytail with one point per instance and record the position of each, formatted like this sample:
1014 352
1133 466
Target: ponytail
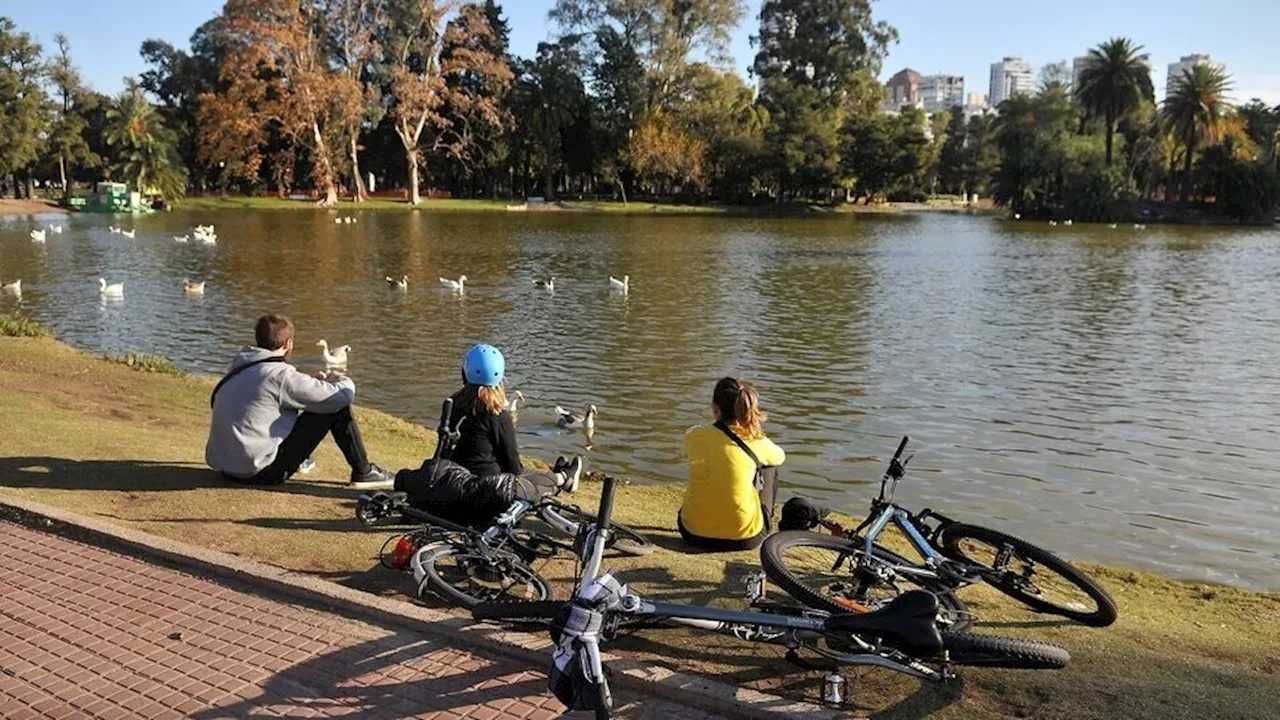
739 406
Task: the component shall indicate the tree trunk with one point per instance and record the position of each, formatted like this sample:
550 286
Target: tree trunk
411 156
360 190
1111 134
622 189
326 168
62 172
549 181
1186 171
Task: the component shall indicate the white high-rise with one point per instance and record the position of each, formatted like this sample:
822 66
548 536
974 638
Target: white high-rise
1011 76
1178 69
940 93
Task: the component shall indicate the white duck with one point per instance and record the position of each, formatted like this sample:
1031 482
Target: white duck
1068 223
209 239
113 290
195 288
181 238
37 236
550 284
513 405
1113 226
57 229
455 285
337 221
1053 223
131 234
566 419
13 288
337 357
401 284
113 230
1017 216
620 286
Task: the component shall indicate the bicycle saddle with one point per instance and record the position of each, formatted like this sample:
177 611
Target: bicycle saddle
908 623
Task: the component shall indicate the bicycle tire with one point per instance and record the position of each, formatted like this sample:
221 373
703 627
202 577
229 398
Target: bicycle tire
1014 586
501 566
773 552
1002 652
625 540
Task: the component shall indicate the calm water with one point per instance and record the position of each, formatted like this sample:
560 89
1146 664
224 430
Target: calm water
1107 393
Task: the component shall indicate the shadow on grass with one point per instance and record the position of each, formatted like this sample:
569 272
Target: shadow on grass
135 476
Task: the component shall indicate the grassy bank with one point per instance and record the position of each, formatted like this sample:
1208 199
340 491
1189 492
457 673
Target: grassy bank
105 440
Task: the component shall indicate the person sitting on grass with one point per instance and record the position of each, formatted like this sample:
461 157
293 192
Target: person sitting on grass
482 475
269 417
728 505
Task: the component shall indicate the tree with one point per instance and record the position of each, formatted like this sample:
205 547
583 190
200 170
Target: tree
23 103
981 155
66 132
1193 112
1114 82
277 78
352 43
816 62
618 84
886 153
664 154
145 149
551 97
423 80
721 112
1263 126
177 79
476 99
951 158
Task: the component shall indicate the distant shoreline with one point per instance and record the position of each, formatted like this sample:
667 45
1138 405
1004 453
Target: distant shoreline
29 207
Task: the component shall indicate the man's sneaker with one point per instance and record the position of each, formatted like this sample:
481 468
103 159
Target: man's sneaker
572 471
375 479
559 465
307 466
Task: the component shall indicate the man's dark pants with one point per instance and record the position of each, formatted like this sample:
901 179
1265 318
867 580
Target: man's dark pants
307 434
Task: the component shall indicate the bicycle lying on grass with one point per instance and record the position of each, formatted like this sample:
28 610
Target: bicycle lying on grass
466 565
847 569
903 635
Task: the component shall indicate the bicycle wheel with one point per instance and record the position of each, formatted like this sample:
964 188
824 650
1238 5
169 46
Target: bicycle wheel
1001 652
625 540
466 577
821 571
1031 575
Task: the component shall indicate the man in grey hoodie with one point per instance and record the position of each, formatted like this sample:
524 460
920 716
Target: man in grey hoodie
268 416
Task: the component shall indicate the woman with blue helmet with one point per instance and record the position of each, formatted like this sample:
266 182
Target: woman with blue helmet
487 443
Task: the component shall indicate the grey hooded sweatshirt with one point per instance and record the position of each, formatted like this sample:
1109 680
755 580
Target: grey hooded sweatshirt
255 411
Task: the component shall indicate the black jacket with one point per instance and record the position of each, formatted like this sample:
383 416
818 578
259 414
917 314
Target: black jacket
487 445
454 493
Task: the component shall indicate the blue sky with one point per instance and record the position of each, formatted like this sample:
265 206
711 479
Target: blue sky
955 37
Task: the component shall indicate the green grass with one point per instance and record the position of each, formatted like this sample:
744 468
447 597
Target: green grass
145 362
15 326
102 440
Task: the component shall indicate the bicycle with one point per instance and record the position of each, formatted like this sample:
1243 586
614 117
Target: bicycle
903 635
466 565
846 569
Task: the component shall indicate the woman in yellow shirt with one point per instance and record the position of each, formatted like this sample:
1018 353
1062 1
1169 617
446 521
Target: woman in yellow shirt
723 508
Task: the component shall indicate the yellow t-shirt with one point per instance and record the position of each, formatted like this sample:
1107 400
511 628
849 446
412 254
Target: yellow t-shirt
721 501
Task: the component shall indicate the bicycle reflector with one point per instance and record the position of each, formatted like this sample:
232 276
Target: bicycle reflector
403 552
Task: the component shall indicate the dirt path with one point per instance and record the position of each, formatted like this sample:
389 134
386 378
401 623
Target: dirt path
28 207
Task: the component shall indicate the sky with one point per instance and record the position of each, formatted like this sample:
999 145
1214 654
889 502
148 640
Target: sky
937 36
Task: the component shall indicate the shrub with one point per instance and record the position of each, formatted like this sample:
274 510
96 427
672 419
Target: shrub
1099 194
144 362
14 326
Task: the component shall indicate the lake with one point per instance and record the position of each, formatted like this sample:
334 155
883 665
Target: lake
1109 394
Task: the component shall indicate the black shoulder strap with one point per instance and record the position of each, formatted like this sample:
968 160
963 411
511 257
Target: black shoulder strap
739 442
237 371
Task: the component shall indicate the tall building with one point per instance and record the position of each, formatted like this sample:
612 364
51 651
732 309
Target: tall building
940 93
902 89
1011 76
1077 67
976 104
1178 69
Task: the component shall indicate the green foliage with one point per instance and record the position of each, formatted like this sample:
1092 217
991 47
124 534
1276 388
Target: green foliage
23 103
1242 190
886 154
1194 111
145 148
552 100
17 326
1099 194
145 362
66 132
1040 152
1113 84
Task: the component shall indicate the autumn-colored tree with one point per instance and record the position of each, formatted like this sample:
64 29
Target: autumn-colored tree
353 27
665 154
277 76
421 77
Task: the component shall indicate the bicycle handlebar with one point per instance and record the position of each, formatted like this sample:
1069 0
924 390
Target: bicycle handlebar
902 446
606 504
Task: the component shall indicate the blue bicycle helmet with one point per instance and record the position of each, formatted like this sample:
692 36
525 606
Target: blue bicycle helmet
484 365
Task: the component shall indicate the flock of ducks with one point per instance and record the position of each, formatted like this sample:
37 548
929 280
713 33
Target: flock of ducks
1069 223
621 287
205 234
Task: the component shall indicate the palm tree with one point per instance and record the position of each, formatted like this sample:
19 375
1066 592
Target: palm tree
145 149
1114 82
1193 113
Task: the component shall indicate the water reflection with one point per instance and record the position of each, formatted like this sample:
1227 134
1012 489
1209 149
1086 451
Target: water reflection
1108 393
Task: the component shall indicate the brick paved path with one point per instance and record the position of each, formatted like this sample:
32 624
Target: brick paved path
85 632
